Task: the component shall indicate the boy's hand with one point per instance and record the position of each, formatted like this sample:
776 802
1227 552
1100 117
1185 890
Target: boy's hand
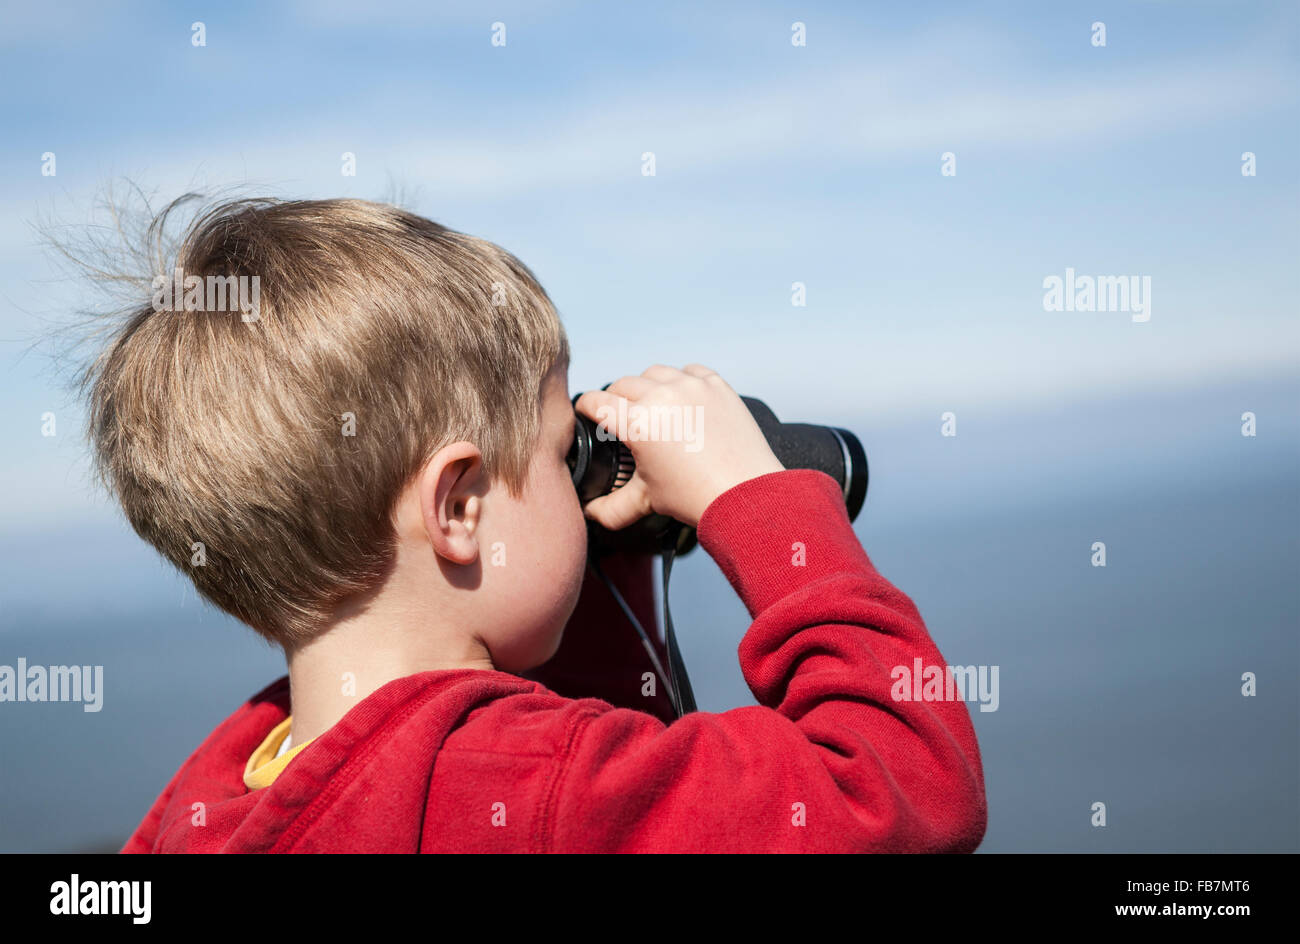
676 478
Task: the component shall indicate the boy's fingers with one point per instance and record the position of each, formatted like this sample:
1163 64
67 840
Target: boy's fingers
661 373
699 370
634 388
591 401
602 407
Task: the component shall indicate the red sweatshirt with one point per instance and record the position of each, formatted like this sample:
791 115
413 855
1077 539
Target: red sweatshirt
470 760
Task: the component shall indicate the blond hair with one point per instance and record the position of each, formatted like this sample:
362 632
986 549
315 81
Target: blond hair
280 442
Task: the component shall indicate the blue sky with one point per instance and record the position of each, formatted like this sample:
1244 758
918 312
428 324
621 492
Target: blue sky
775 164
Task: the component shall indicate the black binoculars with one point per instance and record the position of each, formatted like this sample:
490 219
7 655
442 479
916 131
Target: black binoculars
601 463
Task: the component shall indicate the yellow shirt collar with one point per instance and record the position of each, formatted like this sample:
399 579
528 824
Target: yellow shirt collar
264 766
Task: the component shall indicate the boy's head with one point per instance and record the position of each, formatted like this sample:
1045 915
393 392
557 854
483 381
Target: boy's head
398 389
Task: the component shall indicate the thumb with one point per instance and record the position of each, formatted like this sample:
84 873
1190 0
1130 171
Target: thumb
621 507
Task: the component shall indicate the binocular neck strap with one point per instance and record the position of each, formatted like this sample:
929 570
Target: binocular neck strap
682 695
678 682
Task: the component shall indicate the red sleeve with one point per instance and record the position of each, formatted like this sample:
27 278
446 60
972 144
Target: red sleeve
828 761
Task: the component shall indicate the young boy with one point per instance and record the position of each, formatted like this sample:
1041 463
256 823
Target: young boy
370 470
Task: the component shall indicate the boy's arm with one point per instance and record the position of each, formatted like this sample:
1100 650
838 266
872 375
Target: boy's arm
601 654
832 761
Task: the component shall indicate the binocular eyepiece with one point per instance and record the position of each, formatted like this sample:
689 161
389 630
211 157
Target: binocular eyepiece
600 464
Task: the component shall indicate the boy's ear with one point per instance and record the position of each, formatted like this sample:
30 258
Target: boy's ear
450 489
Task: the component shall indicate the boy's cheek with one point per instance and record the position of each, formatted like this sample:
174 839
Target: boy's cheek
578 539
569 547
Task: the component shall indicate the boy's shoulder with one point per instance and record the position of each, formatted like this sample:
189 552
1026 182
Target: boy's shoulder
469 711
438 761
446 739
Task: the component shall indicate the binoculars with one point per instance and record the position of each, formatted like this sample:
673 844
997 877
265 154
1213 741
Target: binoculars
600 463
